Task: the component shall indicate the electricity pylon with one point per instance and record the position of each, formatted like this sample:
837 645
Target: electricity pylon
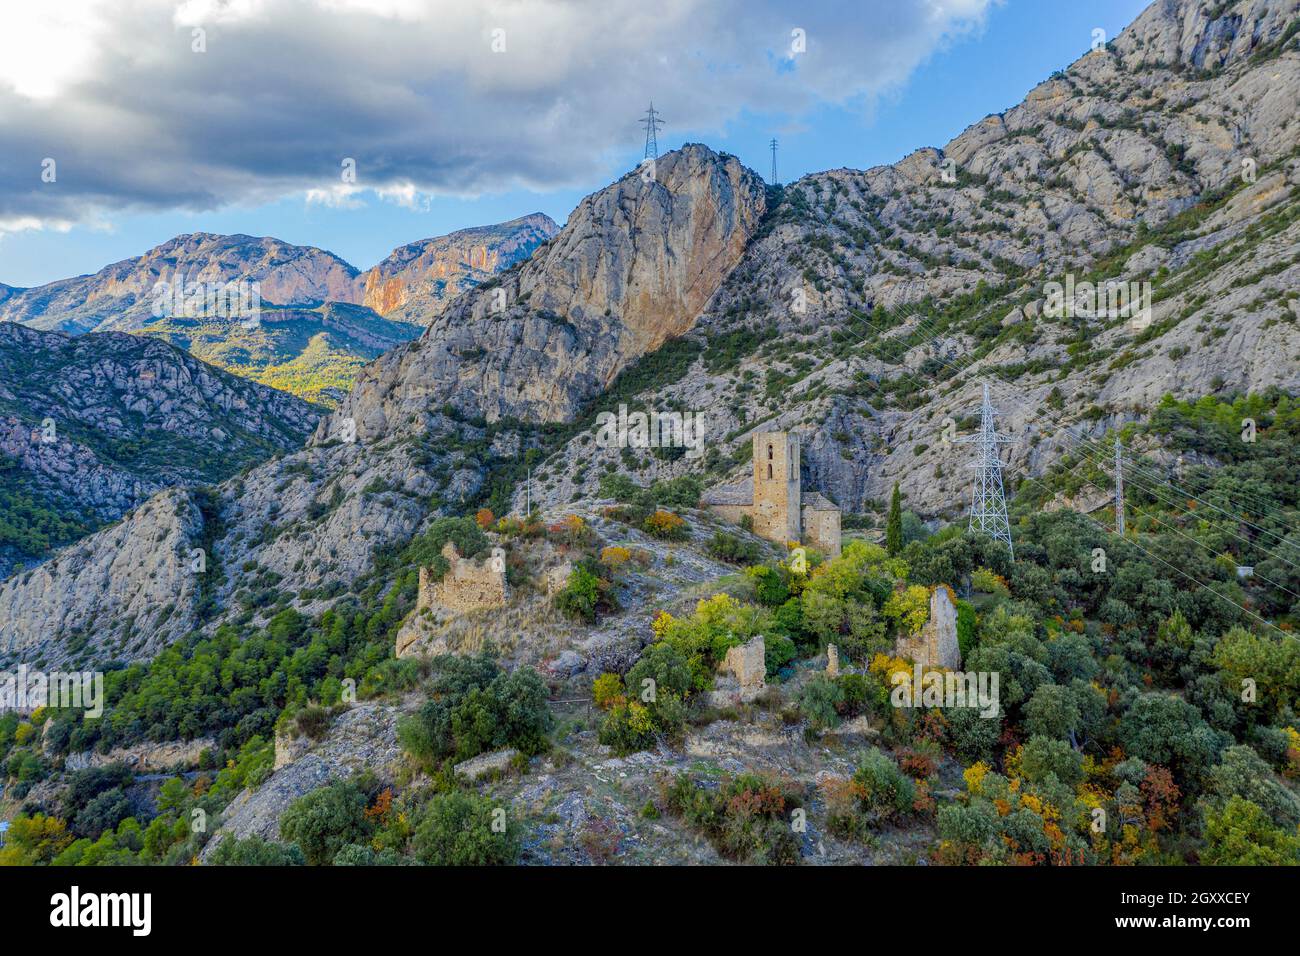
988 512
652 123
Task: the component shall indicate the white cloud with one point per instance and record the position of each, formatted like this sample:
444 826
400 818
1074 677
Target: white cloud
412 90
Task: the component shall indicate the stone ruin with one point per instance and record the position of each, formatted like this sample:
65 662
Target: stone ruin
468 585
745 673
936 643
832 661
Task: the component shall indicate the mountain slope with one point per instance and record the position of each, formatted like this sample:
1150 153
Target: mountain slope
417 281
313 353
433 419
92 426
121 297
862 306
871 302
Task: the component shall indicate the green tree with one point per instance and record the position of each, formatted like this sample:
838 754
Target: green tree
463 829
326 820
1241 834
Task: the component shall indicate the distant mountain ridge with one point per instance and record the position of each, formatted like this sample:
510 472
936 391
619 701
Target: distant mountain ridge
321 319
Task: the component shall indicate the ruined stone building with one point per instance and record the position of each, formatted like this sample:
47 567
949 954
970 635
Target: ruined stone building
775 501
468 585
935 645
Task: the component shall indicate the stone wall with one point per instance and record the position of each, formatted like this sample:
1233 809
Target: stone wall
468 585
936 643
821 529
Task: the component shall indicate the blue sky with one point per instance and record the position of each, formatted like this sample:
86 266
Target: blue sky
1020 43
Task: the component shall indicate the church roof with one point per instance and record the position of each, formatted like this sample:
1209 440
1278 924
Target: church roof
817 501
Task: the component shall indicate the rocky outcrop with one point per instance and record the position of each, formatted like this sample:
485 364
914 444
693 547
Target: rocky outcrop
91 426
418 280
122 593
146 758
634 266
363 738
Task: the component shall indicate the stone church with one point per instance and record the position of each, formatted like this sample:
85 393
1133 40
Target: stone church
775 501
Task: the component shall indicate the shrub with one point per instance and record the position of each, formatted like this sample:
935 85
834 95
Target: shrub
476 707
580 596
747 818
666 526
607 690
322 822
819 702
882 787
255 851
733 549
463 829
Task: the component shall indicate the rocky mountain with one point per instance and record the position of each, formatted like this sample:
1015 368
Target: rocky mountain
92 426
863 307
318 320
417 281
872 303
121 297
313 353
633 265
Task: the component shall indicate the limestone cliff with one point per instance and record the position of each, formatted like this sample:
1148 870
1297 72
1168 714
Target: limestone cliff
419 280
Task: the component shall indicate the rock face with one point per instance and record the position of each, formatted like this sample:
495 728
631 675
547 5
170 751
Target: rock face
633 266
120 594
936 645
418 281
146 758
364 738
485 764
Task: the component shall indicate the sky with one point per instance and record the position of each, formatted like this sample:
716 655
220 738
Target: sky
240 116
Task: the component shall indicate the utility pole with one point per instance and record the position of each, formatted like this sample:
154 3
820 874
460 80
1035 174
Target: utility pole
775 181
1119 489
652 124
988 511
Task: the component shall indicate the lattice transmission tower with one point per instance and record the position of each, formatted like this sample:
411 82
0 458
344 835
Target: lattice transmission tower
652 125
775 181
988 511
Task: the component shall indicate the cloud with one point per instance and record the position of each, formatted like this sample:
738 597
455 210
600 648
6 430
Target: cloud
148 105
